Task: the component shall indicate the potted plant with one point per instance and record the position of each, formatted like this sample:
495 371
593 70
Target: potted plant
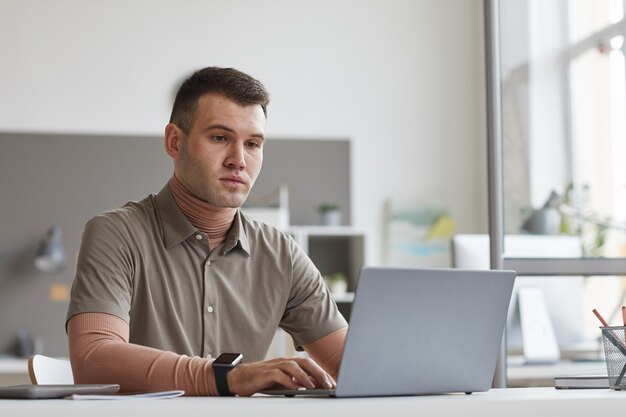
330 214
337 283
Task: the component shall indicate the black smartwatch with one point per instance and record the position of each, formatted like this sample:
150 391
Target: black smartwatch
221 366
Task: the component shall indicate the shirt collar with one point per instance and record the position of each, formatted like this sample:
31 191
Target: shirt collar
237 234
177 228
175 225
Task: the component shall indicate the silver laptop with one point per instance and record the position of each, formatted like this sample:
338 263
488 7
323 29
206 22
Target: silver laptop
422 331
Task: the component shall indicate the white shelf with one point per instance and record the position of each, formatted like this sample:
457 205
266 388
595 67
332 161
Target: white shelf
13 366
344 298
325 230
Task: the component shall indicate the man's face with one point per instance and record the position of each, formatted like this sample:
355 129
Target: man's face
221 157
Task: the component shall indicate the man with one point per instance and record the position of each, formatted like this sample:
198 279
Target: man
165 285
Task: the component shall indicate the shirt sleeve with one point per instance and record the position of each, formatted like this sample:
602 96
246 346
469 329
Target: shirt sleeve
104 271
311 312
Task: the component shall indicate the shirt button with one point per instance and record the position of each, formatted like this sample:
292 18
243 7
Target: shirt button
208 263
199 237
209 309
209 355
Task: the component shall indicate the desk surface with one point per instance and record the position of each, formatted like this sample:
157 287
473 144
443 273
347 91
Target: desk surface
512 402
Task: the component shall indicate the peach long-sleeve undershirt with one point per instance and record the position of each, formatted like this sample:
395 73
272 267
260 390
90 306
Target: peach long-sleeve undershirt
100 353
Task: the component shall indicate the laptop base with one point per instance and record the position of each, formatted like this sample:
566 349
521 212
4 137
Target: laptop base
315 392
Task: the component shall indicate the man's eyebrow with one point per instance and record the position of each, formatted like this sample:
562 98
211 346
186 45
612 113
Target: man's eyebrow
221 127
258 136
228 129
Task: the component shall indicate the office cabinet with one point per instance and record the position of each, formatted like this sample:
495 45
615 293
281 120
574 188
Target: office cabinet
333 250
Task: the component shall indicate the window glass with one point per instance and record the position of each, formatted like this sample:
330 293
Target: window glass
564 121
590 16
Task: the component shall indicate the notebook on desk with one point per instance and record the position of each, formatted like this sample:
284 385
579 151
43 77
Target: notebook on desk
582 382
421 331
32 392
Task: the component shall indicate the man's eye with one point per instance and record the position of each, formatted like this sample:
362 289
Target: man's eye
219 138
253 145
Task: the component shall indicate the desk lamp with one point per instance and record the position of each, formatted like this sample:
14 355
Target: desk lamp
50 255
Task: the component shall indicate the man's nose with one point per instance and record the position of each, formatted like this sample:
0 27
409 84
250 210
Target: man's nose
236 157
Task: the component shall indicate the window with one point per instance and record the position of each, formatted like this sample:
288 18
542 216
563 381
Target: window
563 84
557 110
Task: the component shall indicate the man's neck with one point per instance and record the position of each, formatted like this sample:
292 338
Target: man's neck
212 220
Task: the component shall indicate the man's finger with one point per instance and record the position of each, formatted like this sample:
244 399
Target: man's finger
322 378
280 377
293 369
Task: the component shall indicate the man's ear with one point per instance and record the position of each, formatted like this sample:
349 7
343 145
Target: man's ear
173 140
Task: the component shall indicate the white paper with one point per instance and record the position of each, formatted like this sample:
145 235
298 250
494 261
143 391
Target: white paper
148 395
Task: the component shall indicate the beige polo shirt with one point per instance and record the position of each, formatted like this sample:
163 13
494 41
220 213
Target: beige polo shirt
148 265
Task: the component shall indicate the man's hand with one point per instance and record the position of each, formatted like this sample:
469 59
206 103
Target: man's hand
291 373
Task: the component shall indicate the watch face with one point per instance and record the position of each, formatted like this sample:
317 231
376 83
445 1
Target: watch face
229 359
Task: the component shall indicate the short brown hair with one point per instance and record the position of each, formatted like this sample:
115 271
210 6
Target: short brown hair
229 82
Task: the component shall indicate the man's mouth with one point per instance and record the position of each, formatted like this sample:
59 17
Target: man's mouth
233 180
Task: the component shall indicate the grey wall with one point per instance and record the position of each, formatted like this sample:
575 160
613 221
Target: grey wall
315 171
61 180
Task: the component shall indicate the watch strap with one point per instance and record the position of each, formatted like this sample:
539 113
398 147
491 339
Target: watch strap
221 381
223 364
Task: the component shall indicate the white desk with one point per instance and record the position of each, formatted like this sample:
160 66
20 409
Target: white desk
511 402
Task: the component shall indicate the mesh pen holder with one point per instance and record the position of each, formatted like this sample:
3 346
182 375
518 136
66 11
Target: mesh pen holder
614 341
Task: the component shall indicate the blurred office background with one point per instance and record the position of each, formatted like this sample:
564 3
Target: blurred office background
394 89
403 81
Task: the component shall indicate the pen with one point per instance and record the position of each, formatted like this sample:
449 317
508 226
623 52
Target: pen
599 316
